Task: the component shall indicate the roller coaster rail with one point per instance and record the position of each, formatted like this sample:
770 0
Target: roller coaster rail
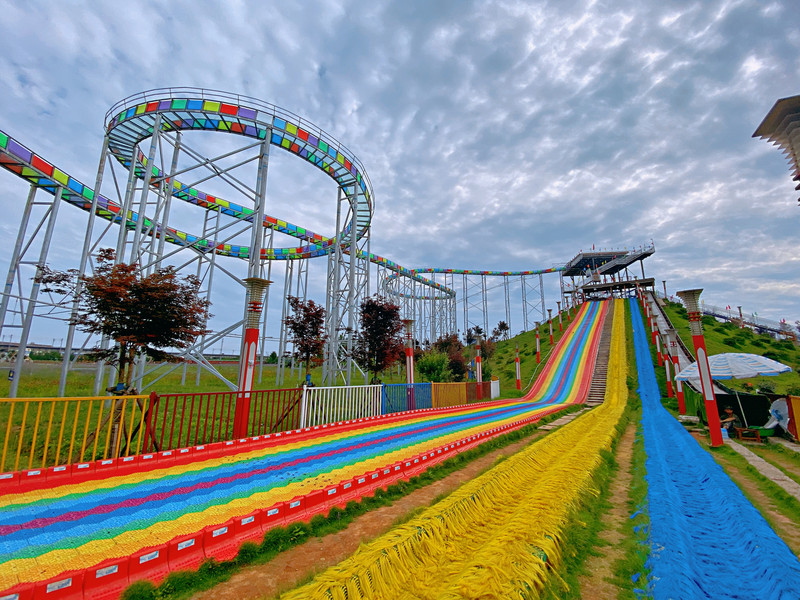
140 200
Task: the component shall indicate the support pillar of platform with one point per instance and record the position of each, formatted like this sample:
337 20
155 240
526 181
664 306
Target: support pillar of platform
409 324
550 323
479 369
516 365
538 346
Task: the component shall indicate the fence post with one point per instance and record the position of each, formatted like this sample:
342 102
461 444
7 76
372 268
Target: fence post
303 408
149 434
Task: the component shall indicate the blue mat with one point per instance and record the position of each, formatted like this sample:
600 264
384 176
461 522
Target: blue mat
706 539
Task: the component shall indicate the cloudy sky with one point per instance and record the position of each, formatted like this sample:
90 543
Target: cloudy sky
497 134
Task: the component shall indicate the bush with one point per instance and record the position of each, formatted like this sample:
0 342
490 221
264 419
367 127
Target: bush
709 321
766 387
435 366
779 356
733 342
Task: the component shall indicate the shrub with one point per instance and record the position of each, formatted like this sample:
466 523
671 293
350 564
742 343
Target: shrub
435 366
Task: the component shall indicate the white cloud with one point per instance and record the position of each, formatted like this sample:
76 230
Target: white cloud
497 135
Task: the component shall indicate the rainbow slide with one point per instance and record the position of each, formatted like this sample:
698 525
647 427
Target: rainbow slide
92 538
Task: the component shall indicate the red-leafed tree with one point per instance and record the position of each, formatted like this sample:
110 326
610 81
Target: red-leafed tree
378 343
306 328
144 314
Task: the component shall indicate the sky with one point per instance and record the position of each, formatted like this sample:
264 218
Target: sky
498 135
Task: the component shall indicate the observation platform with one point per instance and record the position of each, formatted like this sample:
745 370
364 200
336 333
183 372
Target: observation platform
594 289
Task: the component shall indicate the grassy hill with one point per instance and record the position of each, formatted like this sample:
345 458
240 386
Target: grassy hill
727 337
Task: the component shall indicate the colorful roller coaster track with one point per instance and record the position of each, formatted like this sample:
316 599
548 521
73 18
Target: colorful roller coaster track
132 120
140 522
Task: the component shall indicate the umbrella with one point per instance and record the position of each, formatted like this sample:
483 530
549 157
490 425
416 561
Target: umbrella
735 365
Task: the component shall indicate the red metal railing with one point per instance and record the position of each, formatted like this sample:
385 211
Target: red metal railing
182 420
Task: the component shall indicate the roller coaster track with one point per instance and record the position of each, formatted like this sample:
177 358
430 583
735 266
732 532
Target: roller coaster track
133 119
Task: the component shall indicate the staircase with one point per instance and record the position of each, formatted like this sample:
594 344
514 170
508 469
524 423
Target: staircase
597 391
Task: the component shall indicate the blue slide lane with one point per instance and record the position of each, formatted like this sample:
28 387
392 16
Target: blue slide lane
706 539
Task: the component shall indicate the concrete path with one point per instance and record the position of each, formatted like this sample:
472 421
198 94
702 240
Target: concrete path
564 420
785 444
766 469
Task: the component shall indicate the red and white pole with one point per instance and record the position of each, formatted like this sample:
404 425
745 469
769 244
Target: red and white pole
560 326
550 323
479 369
409 364
516 364
690 298
657 339
672 335
668 364
256 287
538 347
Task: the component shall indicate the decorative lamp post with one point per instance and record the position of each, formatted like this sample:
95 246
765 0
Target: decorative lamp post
672 335
656 337
668 363
409 323
652 318
256 288
516 364
538 348
741 318
550 323
690 298
560 327
664 282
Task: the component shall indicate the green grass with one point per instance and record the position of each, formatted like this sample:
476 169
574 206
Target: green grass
727 337
502 362
183 584
785 503
39 379
630 570
771 451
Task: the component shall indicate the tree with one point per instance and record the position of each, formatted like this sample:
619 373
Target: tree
454 349
434 366
469 336
501 331
144 314
306 328
378 343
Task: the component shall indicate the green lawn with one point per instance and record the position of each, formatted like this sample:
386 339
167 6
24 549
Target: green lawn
727 337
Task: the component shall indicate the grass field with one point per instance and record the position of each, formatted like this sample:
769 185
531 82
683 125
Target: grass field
727 337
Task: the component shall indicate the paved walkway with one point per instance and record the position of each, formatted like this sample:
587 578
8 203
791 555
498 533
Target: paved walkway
785 444
767 470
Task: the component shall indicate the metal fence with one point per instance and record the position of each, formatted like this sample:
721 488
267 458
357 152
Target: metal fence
321 405
36 433
182 420
399 397
40 432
